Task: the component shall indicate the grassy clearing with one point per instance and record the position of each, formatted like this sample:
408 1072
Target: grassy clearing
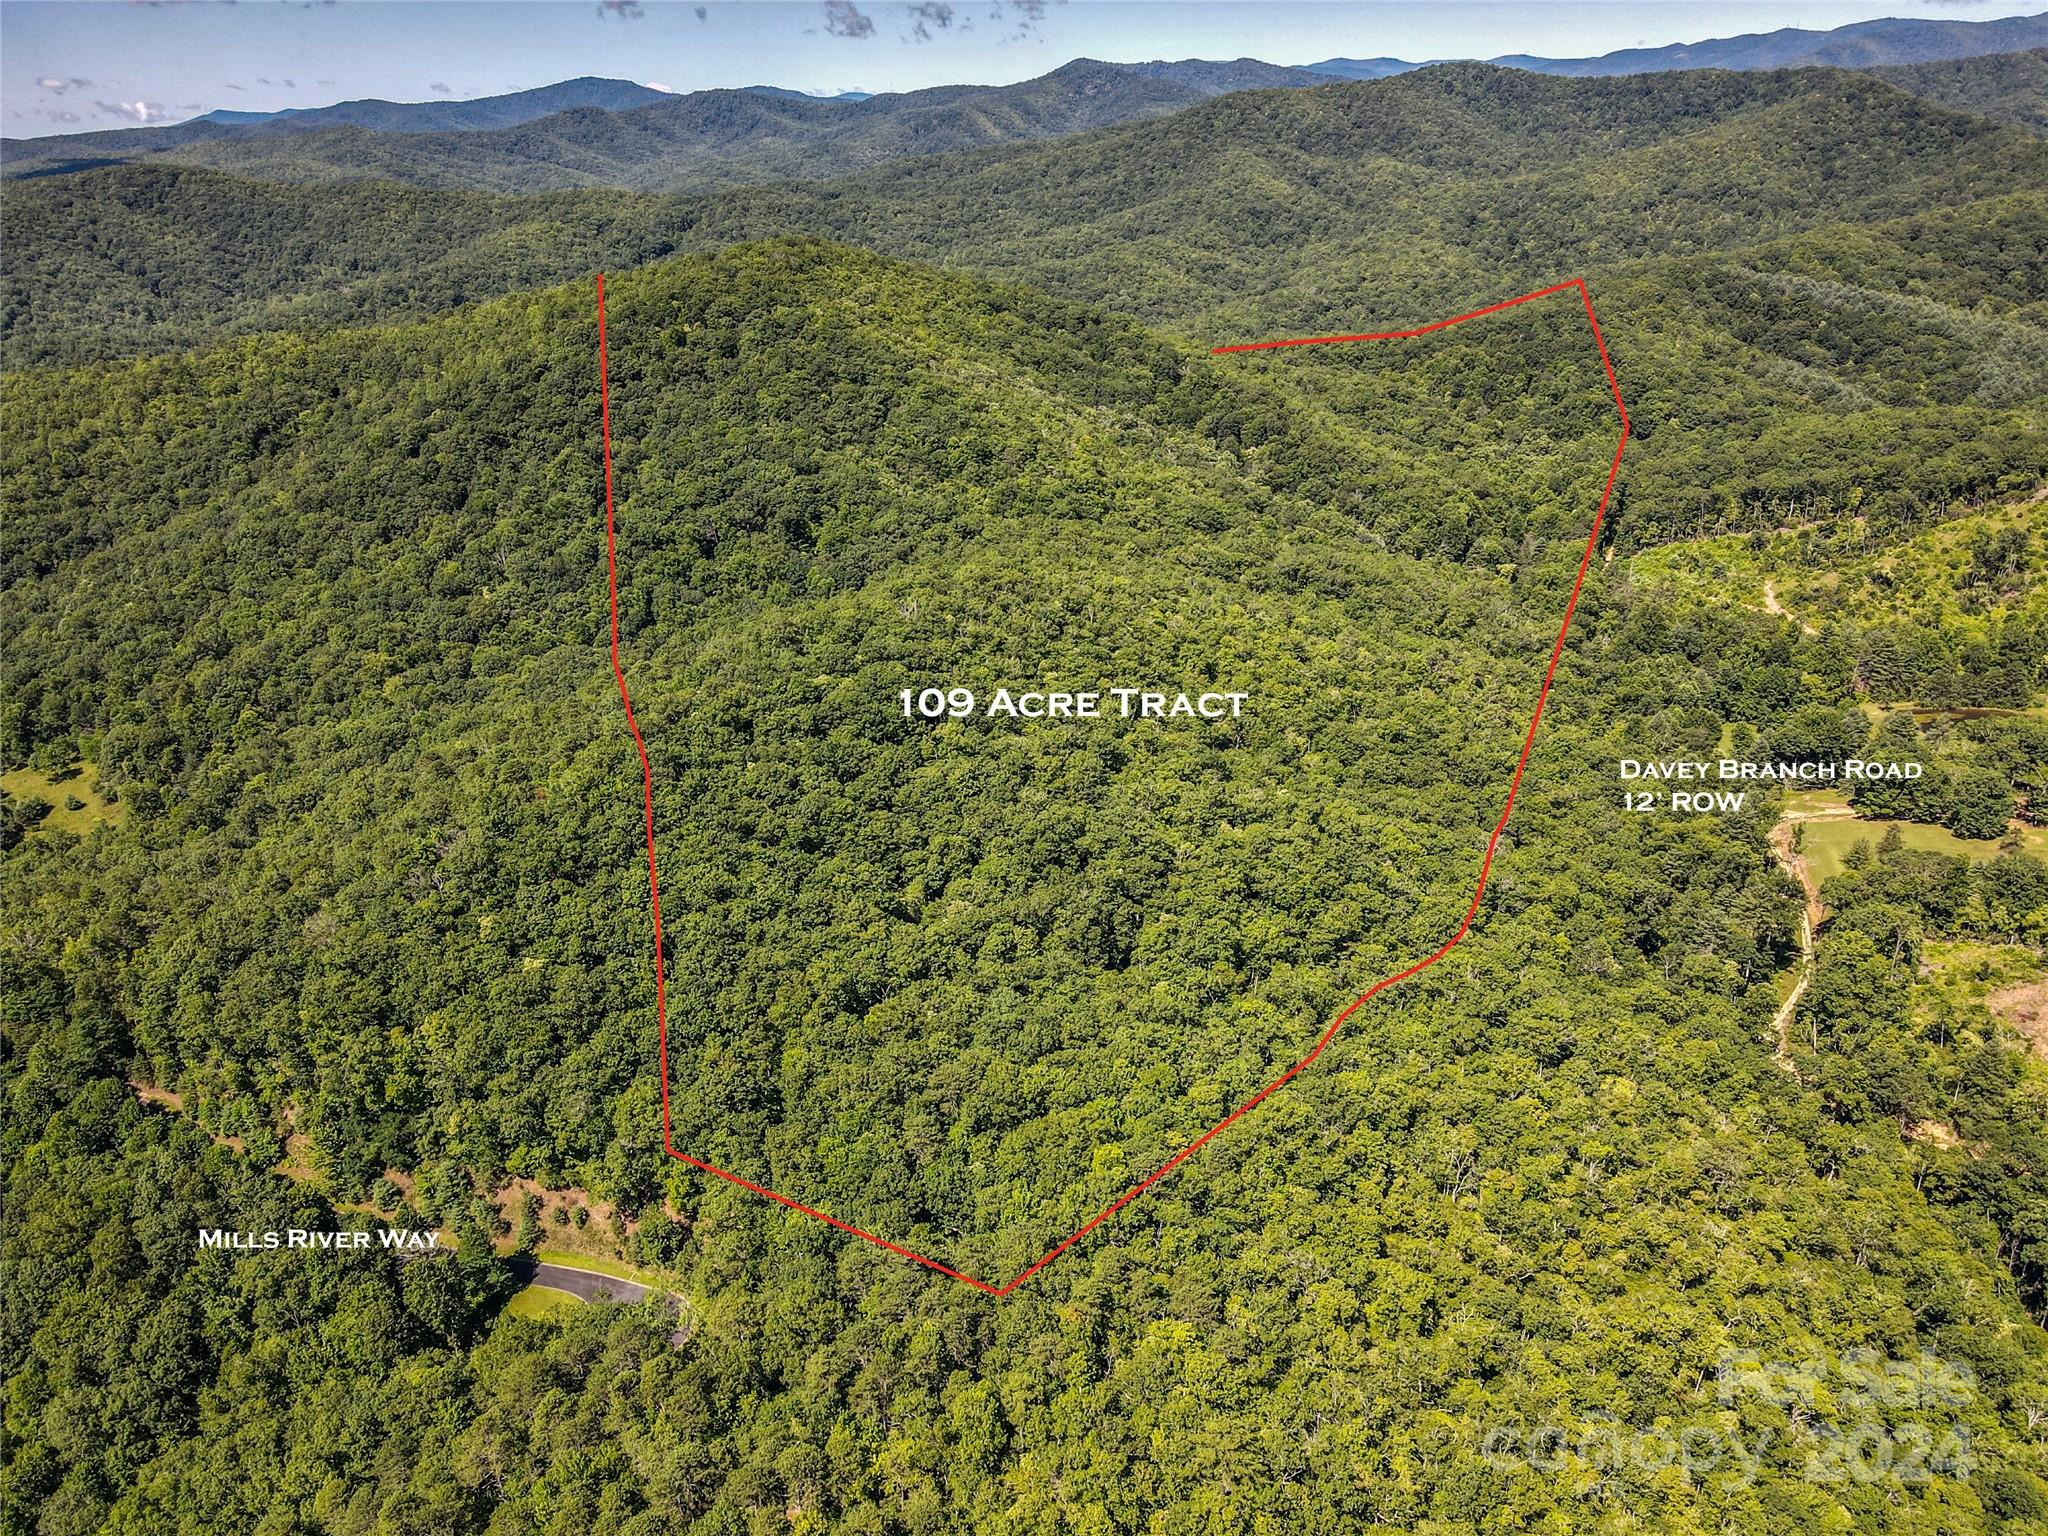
1803 803
1783 983
79 783
1826 844
1829 827
538 1303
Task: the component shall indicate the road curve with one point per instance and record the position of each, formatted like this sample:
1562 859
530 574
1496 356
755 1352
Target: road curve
589 1285
583 1284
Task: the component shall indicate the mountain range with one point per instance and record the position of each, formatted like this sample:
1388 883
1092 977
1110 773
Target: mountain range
452 116
649 139
1859 45
1261 213
590 131
326 610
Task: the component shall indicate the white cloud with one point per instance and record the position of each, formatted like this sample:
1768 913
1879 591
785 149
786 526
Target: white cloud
656 85
135 111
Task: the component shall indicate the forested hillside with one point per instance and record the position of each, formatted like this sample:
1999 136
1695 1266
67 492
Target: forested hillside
337 651
1261 208
2012 87
1920 991
1662 1204
1721 212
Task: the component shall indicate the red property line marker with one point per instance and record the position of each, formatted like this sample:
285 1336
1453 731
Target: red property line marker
1330 1032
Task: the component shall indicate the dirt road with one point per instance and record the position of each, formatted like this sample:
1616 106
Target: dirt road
1811 916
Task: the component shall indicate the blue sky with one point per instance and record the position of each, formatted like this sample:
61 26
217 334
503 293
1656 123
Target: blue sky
71 65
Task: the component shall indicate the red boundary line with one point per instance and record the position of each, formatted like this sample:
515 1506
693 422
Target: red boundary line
1329 1033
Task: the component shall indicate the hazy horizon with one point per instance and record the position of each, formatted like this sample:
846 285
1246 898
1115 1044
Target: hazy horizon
78 67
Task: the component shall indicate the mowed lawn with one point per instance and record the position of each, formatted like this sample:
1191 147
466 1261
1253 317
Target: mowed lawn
540 1302
1826 844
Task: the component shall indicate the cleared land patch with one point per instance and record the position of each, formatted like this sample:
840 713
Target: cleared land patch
1830 829
72 794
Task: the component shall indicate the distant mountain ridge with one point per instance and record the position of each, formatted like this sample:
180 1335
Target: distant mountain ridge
1398 186
479 113
790 95
680 142
1895 40
1364 69
483 114
1860 45
597 132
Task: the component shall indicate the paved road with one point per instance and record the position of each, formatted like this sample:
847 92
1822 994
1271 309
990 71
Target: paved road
583 1284
588 1285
